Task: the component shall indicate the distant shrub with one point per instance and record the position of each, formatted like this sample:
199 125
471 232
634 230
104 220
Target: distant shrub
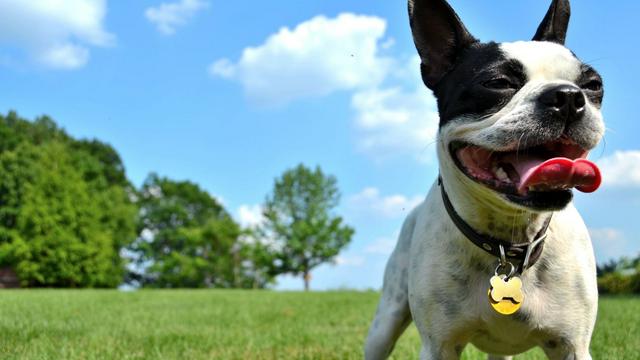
635 283
617 283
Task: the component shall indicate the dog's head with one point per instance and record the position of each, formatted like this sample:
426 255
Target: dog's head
517 120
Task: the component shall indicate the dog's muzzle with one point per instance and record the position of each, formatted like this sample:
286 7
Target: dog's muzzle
539 177
563 103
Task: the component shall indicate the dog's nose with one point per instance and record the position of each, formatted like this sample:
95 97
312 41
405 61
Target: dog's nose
566 101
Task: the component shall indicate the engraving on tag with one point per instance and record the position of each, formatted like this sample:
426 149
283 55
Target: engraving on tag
505 296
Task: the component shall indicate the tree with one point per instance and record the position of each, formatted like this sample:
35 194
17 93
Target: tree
53 230
187 239
63 220
298 217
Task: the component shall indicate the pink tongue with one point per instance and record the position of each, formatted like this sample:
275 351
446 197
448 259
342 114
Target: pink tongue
557 173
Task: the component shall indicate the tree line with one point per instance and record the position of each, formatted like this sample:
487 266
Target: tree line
70 217
619 276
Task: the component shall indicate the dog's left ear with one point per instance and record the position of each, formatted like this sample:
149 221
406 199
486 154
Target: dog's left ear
555 24
440 37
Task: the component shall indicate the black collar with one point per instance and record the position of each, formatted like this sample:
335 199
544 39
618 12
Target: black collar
512 252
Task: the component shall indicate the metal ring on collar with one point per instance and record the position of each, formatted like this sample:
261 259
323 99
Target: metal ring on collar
512 269
525 263
503 258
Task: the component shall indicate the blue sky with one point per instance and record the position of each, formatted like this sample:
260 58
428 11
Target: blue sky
229 94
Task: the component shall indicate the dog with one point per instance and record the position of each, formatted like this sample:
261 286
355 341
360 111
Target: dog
497 255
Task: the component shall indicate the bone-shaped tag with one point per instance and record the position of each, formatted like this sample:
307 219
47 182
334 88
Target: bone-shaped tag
509 289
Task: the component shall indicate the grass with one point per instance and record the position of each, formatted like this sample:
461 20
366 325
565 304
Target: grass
192 324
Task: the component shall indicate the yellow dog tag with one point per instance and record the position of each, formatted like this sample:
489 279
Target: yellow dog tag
505 297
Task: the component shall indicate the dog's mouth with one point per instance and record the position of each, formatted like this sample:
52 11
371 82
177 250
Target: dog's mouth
539 176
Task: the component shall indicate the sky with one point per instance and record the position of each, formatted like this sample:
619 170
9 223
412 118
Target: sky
229 94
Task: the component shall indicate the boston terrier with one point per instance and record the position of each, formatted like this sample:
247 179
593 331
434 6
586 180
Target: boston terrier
497 255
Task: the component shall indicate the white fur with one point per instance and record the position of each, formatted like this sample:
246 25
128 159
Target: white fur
551 65
544 60
439 279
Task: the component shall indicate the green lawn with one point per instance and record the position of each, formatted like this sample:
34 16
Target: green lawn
183 324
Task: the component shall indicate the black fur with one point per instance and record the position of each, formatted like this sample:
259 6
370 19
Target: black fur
591 84
555 24
467 88
440 37
473 78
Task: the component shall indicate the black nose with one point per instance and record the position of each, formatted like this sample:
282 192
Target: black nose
565 101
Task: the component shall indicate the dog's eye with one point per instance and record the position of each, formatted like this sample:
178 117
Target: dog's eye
593 85
499 84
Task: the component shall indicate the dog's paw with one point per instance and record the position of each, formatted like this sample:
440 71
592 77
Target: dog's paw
509 289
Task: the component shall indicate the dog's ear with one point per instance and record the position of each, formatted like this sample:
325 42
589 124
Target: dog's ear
554 25
439 36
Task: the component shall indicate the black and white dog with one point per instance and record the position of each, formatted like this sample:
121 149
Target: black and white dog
497 255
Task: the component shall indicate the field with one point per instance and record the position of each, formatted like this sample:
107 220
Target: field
192 324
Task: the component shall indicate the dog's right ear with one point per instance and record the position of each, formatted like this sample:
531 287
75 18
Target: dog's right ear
440 37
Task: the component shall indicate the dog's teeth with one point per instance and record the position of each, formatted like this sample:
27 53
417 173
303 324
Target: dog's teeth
501 174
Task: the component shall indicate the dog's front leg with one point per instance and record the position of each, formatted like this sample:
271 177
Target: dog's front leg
567 351
570 355
393 314
434 350
391 319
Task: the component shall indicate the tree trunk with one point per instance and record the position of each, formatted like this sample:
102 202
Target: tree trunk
307 279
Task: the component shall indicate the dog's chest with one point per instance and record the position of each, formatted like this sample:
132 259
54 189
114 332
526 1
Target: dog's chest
506 339
449 279
497 333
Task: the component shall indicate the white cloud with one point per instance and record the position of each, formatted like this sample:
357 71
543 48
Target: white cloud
382 246
67 56
608 243
168 16
607 234
55 33
393 120
394 114
250 215
369 202
223 68
622 169
316 58
352 260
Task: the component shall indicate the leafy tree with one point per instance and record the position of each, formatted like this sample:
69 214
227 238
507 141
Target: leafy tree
188 239
624 264
620 276
101 163
299 219
259 258
63 220
53 233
